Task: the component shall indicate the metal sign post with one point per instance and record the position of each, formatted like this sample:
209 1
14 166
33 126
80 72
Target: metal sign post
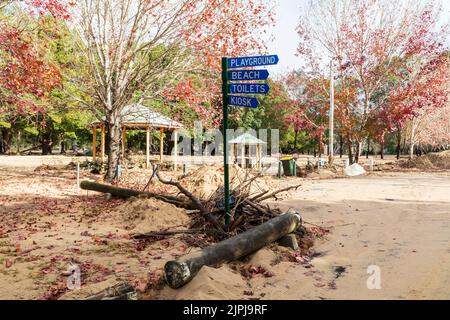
226 174
240 100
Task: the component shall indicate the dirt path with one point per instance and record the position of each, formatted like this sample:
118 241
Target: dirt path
400 223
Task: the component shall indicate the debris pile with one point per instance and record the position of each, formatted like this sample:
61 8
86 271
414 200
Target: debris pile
146 215
431 161
250 225
206 180
208 214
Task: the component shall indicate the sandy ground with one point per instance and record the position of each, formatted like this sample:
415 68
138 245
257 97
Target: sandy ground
47 226
398 222
31 162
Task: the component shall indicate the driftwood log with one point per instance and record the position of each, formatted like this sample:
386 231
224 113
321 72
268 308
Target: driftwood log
127 193
179 273
190 201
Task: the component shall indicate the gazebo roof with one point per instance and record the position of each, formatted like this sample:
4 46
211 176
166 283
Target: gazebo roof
247 138
137 115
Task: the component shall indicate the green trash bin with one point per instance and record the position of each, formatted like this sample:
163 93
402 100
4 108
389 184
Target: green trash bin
289 167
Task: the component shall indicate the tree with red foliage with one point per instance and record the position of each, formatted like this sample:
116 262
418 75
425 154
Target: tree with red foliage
26 77
371 44
422 103
309 105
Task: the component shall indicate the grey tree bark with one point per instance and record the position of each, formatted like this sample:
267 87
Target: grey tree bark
178 273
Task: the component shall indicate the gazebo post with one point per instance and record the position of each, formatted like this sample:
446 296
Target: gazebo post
257 156
102 143
94 143
124 140
175 161
260 157
243 156
161 144
147 149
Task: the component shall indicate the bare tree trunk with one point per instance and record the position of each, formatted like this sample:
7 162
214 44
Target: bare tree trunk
6 137
358 151
411 150
295 140
314 147
403 148
399 142
418 150
382 148
412 139
320 145
368 147
46 144
341 146
114 137
18 142
350 151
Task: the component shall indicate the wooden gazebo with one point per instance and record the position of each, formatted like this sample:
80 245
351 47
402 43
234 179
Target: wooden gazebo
246 141
137 117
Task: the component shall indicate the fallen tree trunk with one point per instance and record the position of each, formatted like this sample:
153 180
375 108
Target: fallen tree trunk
29 149
127 193
179 273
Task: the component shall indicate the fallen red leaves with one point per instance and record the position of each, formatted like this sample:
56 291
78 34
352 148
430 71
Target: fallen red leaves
250 271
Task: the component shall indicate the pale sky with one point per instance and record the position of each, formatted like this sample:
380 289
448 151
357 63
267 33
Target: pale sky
285 38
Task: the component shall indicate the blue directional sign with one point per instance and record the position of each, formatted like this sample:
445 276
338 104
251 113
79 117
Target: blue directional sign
245 75
242 101
248 88
245 62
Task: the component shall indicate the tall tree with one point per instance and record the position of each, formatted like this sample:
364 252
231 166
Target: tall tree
309 105
365 40
137 49
27 77
425 84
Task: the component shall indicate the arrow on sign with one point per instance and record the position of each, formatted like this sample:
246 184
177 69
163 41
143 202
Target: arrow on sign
242 75
244 62
248 88
240 101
